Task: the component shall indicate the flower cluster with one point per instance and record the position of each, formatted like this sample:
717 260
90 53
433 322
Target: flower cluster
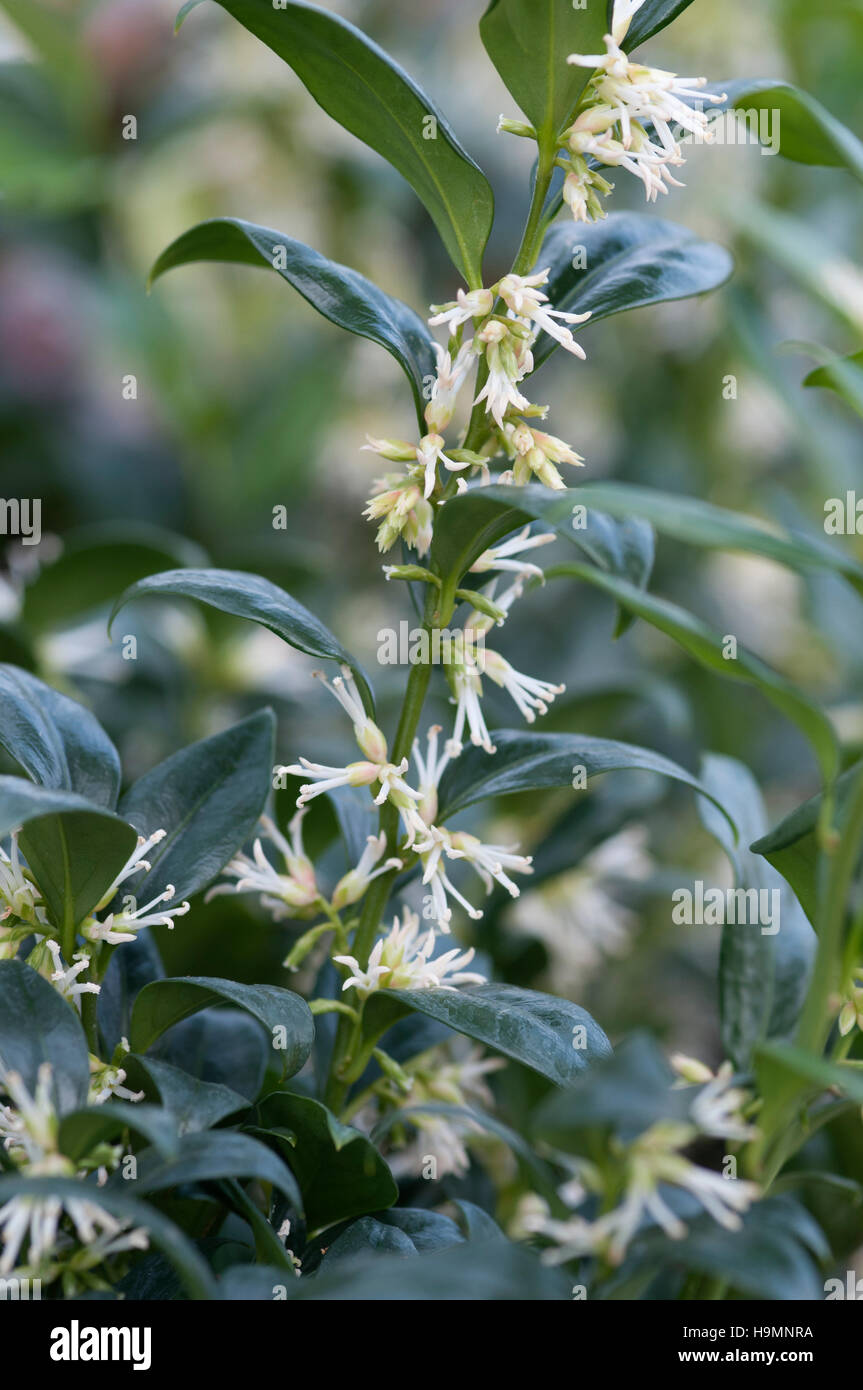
652 1162
625 121
50 1237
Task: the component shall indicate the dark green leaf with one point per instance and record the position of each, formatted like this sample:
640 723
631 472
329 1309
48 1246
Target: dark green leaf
165 1002
360 86
627 261
763 975
486 1272
210 1157
554 1037
36 1026
626 1093
250 596
531 762
806 131
57 742
342 295
208 797
694 522
193 1104
650 18
707 646
81 1130
529 42
340 1173
74 849
479 519
792 846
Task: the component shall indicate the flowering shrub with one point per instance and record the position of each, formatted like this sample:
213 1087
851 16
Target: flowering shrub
195 1135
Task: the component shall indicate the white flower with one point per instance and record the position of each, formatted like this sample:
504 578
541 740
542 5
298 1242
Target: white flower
37 1220
436 879
489 861
467 688
651 1161
717 1109
123 926
509 359
284 894
448 381
431 767
351 887
452 1074
369 737
467 305
532 695
851 1011
135 864
402 960
19 896
28 1128
521 294
623 12
326 778
106 1079
500 557
398 503
536 454
65 978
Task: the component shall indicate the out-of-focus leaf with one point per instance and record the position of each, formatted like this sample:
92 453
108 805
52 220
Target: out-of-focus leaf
763 975
707 647
807 132
193 1104
844 375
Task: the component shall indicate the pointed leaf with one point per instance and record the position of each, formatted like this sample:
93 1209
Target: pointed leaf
208 798
249 596
58 742
165 1002
627 261
554 1037
37 1025
360 86
804 129
342 295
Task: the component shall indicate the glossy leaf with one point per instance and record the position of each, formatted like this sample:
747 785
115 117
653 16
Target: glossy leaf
536 1029
74 849
529 42
360 86
480 518
694 522
82 1130
340 1173
342 295
57 742
37 1025
792 846
630 260
165 1002
193 1104
210 1157
706 646
250 596
533 761
764 968
650 18
208 797
844 375
807 132
626 1093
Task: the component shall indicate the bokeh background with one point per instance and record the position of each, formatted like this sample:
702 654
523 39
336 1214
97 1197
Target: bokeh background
246 400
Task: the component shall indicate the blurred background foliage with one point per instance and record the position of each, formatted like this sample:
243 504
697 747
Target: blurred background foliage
247 401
